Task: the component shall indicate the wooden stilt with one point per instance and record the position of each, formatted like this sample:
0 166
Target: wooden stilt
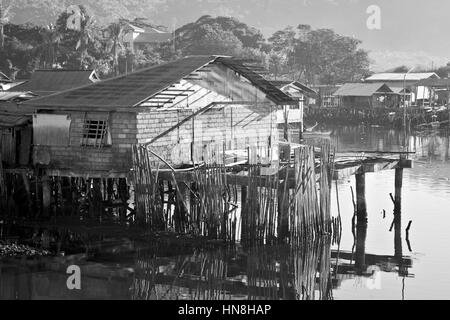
244 191
46 195
361 224
398 190
361 207
283 213
398 213
27 185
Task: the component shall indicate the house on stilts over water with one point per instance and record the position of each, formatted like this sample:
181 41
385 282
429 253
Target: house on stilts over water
164 145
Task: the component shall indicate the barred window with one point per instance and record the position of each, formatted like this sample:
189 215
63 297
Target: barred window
95 133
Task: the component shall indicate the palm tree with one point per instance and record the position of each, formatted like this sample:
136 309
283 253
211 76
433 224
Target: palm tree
51 39
5 12
87 35
115 34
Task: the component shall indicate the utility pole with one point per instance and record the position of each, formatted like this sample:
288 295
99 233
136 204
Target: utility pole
174 35
404 96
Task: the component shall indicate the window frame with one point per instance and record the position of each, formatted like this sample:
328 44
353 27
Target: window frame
96 133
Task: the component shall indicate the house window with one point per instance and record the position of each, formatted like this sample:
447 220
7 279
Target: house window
96 133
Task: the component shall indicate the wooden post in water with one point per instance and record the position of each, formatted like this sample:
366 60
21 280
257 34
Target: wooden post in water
283 213
361 224
398 213
398 190
286 123
3 192
244 214
361 207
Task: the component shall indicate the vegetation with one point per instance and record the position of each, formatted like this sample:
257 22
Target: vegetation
304 54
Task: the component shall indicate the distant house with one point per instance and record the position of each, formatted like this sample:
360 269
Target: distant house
367 95
325 96
302 93
137 38
46 82
439 91
16 119
6 82
417 93
15 130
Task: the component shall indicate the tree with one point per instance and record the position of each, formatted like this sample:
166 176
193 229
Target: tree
51 39
5 14
317 55
283 45
277 63
221 35
400 69
115 33
207 39
87 36
444 71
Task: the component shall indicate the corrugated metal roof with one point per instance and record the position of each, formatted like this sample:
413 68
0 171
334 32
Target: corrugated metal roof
272 92
46 82
399 90
130 90
302 87
362 89
13 95
4 78
401 76
436 83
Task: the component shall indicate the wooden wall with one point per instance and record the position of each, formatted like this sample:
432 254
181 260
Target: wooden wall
8 146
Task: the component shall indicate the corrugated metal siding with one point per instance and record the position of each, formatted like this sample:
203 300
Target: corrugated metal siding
51 129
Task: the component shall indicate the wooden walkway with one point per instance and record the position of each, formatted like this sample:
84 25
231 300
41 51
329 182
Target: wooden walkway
345 165
349 164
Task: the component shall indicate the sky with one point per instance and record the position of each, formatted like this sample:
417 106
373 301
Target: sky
412 32
405 24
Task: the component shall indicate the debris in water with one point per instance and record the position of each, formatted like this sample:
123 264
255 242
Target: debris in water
14 250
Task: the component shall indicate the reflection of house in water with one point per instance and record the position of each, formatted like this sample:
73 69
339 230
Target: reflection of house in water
164 273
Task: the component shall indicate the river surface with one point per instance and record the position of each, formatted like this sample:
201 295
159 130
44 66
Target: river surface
426 202
393 268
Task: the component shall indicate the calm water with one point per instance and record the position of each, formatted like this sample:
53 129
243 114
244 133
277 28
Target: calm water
426 202
116 268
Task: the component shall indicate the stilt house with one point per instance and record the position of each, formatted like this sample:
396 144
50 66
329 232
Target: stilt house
176 109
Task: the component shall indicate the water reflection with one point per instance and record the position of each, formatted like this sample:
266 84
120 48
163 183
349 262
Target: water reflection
372 260
283 272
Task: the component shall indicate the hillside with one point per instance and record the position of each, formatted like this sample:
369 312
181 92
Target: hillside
43 12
